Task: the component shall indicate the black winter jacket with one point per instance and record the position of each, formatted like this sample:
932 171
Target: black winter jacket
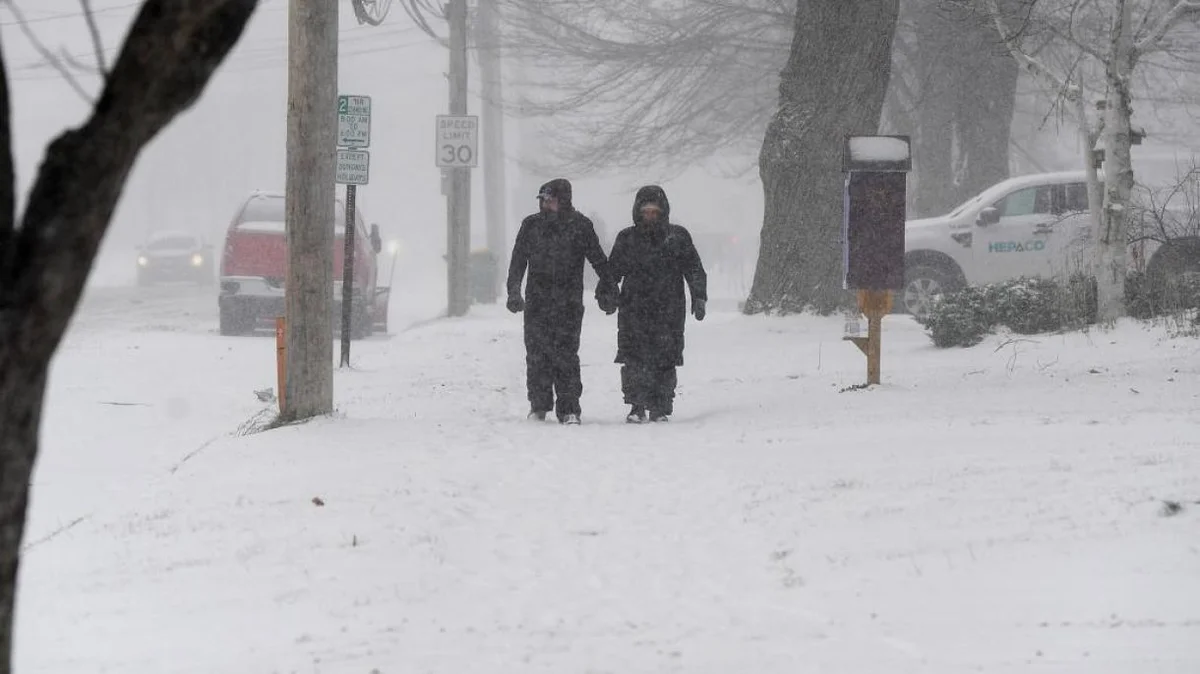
553 247
654 261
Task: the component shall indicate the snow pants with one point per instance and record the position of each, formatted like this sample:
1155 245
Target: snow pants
552 359
649 385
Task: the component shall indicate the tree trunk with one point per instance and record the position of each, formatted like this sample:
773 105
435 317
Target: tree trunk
170 52
1095 189
938 77
21 392
1118 169
832 86
986 101
965 103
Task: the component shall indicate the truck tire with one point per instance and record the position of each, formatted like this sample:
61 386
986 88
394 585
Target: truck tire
923 284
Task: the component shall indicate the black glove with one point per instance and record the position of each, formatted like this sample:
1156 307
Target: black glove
607 302
698 309
515 304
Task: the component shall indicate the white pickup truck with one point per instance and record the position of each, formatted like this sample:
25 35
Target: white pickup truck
1032 225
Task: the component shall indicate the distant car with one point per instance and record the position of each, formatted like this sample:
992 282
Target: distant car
254 268
175 257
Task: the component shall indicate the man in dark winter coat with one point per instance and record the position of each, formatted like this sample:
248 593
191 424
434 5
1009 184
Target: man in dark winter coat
654 259
553 244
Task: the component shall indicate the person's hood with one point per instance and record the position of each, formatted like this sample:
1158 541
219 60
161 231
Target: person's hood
651 194
559 188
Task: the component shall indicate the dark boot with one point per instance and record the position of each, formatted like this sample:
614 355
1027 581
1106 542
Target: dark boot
663 405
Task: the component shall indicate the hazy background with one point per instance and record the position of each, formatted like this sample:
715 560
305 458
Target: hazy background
195 174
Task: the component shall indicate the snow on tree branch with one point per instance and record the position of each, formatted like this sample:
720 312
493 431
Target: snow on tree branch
1035 66
1183 10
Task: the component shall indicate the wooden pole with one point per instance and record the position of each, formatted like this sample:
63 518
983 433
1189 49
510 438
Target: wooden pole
458 242
874 304
309 203
494 157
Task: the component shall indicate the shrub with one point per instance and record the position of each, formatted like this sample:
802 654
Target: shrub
1024 305
1137 296
960 319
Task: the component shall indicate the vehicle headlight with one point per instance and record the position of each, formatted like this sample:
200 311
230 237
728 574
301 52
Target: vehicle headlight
142 261
393 247
197 260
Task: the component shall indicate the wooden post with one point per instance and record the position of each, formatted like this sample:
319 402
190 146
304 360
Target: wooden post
281 359
309 202
458 240
874 304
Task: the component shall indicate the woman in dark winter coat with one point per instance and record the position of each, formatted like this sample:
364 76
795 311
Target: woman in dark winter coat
652 261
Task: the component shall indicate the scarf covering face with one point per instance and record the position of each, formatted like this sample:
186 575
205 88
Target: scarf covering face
651 194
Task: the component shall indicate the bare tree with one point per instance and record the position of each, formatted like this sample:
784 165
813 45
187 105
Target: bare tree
63 60
953 89
1101 47
169 54
630 82
833 85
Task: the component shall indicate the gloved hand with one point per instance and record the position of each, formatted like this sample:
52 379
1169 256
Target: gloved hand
515 304
698 309
607 302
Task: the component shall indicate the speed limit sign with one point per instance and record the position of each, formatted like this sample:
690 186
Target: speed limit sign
457 141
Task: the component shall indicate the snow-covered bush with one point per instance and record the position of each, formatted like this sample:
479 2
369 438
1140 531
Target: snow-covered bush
962 318
1024 305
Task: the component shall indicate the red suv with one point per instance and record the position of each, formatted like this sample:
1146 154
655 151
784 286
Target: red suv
254 266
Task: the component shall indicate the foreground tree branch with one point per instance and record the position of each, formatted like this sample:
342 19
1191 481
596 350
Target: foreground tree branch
170 53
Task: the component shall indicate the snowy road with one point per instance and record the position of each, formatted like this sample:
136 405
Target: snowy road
994 509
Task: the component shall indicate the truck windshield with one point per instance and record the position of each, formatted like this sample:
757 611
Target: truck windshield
269 209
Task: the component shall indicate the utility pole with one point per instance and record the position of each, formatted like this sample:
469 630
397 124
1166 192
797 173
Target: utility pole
309 203
458 211
487 41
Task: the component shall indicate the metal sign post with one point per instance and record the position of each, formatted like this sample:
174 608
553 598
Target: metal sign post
873 232
353 169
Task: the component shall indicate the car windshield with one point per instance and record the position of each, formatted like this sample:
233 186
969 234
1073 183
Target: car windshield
172 243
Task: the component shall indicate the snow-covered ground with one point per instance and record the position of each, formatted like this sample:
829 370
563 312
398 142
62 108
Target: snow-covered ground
996 509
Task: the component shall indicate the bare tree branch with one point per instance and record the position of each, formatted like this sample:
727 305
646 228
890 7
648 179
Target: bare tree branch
1182 10
649 81
170 53
1028 62
76 64
47 54
97 41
